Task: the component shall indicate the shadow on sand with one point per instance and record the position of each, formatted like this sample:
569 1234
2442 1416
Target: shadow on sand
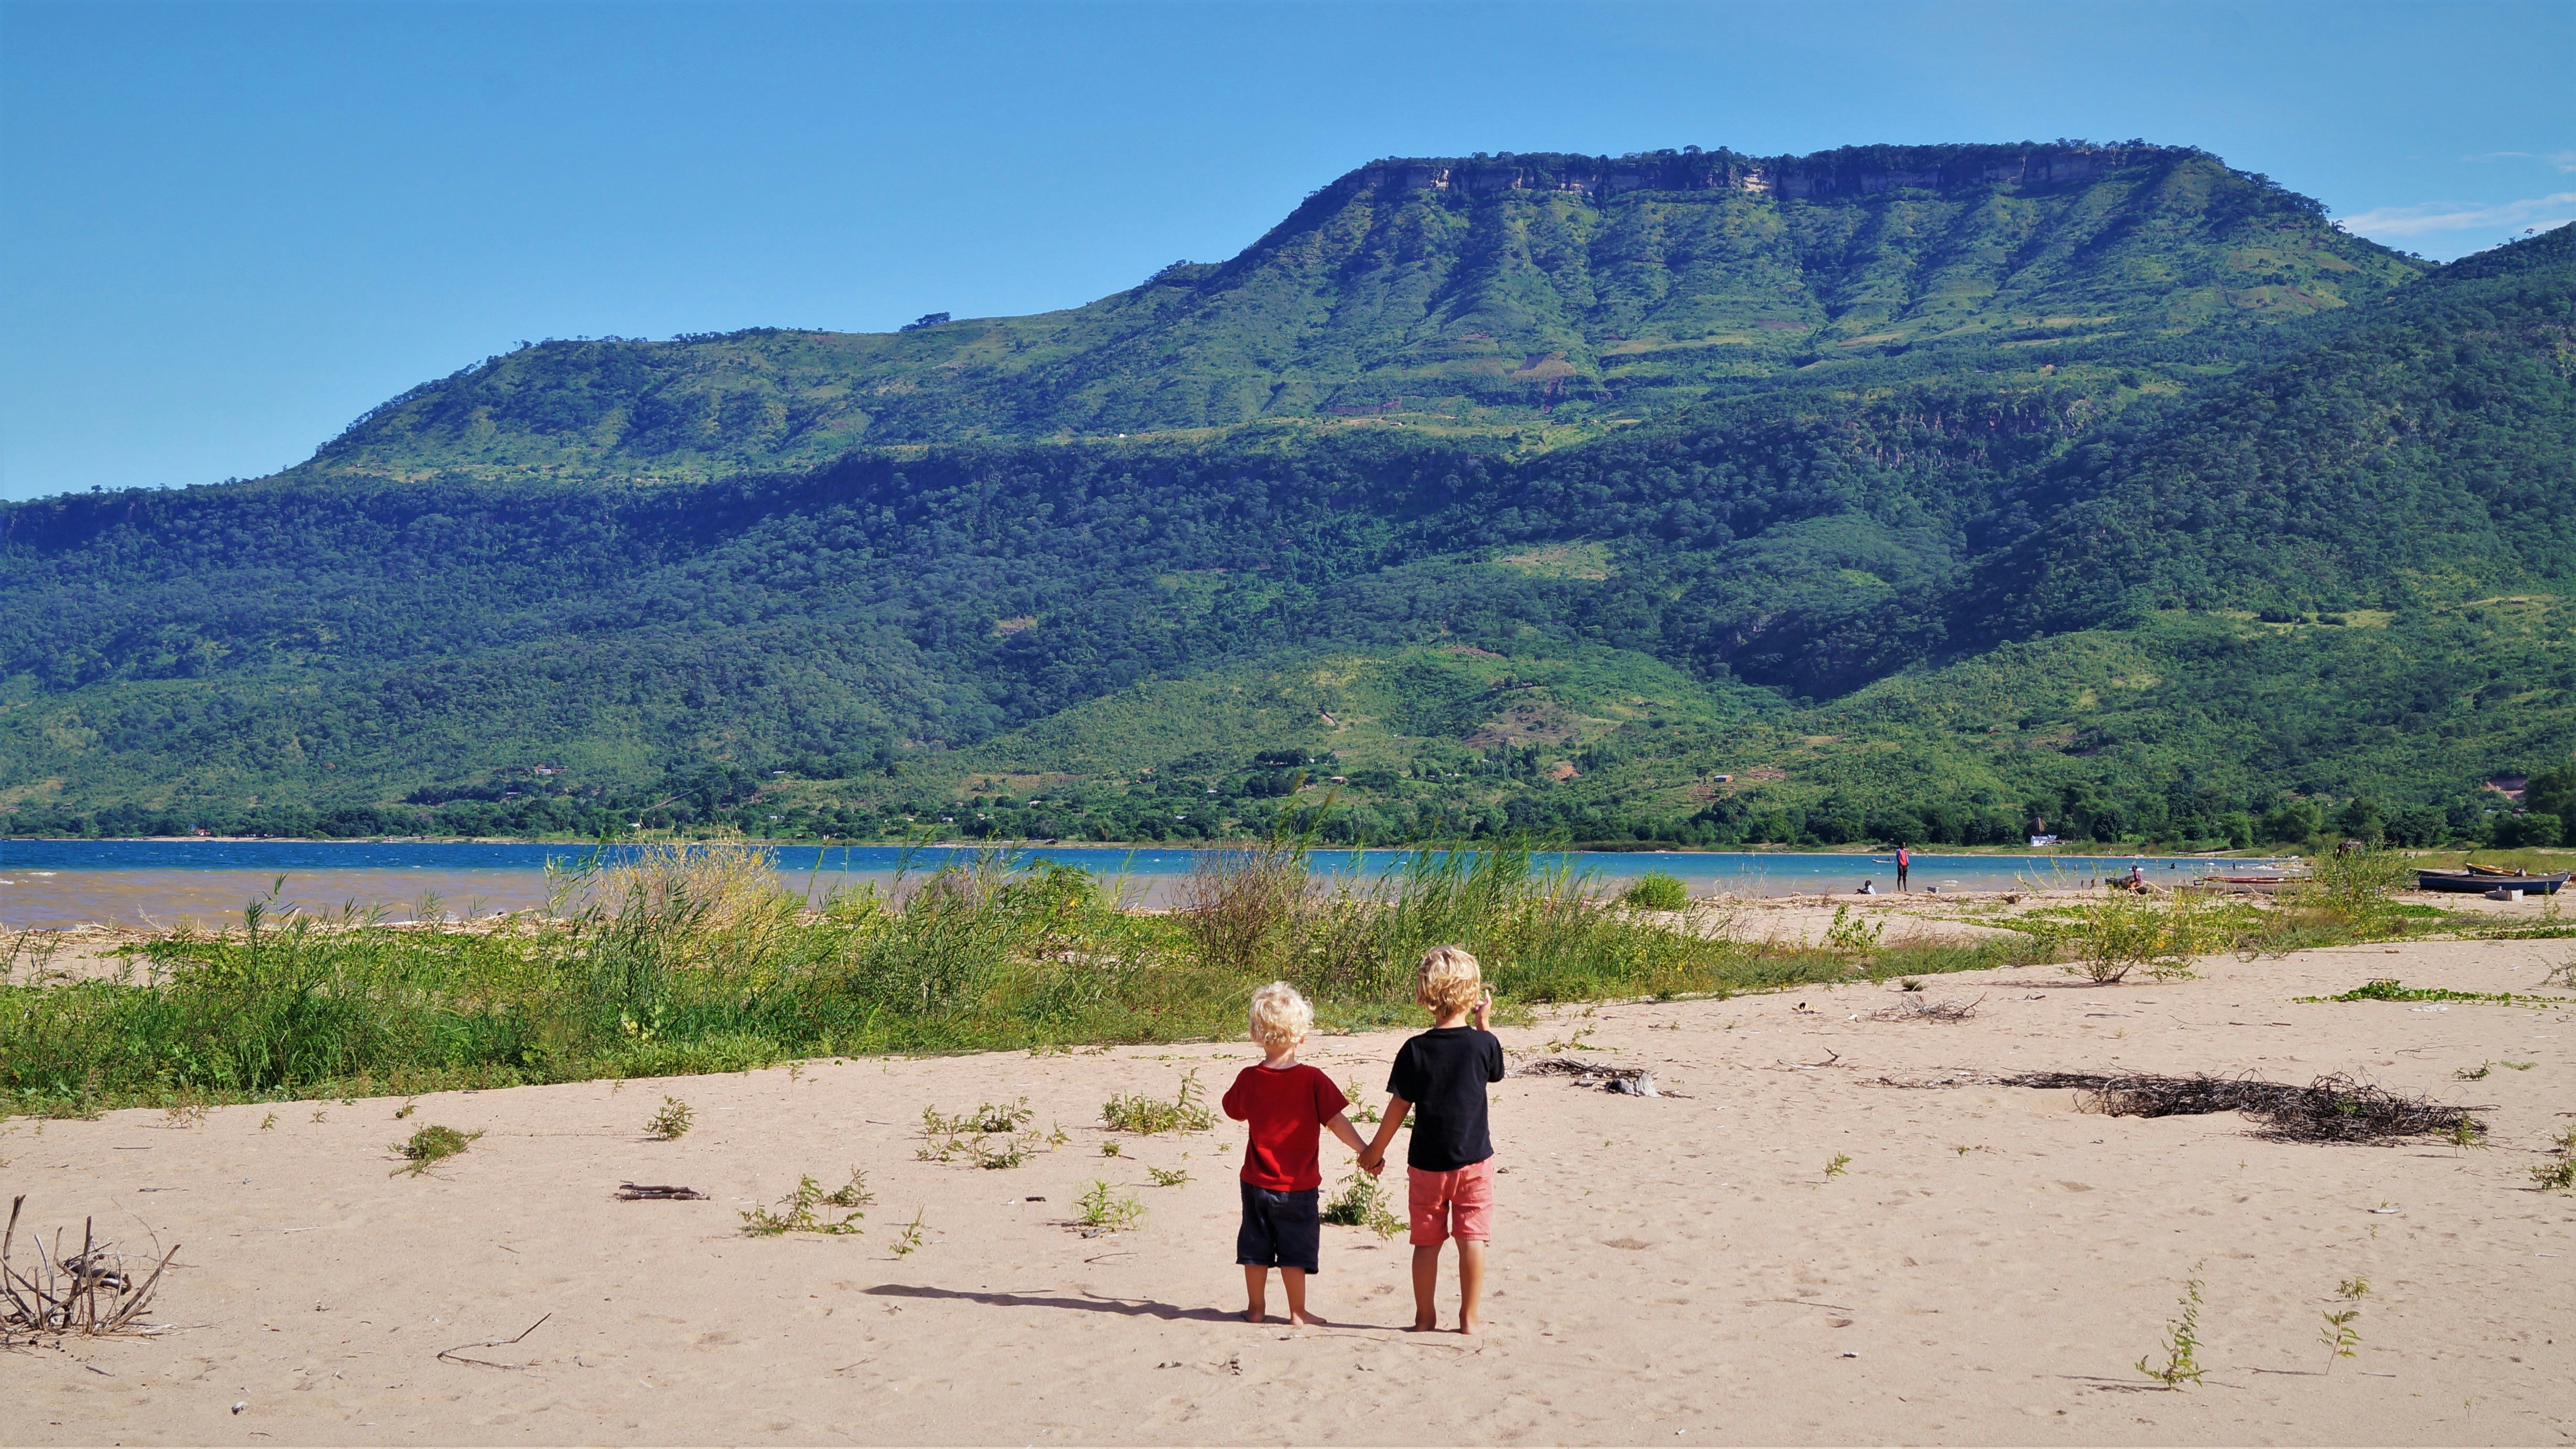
1087 1303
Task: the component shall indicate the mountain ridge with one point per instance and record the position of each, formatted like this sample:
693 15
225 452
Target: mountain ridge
1480 295
1876 580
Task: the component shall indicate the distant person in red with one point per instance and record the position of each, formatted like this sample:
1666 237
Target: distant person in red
1287 1103
1904 863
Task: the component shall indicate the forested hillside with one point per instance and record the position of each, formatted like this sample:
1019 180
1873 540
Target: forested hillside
2192 566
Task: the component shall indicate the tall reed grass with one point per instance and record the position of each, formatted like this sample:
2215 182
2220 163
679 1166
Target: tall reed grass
691 959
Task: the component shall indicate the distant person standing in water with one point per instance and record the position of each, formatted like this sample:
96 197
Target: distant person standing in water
1904 863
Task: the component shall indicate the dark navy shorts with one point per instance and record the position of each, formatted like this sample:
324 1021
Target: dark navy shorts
1280 1229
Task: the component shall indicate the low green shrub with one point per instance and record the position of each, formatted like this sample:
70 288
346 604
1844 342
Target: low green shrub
1655 891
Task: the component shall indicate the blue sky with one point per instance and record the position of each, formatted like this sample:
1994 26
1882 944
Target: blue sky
228 228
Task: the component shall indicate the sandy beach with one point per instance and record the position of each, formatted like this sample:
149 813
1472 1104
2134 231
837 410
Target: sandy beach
1986 1268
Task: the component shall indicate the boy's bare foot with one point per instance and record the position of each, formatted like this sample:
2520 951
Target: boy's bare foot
1424 1325
1304 1320
1253 1315
1466 1325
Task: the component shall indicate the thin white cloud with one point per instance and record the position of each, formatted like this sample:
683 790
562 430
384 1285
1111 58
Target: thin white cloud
2545 212
2562 160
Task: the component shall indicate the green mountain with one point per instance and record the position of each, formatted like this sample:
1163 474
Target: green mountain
1937 493
1488 291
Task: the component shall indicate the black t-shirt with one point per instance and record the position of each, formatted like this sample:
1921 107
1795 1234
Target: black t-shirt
1443 1073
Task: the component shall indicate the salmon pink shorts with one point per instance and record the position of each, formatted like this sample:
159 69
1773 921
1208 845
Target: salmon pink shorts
1457 1204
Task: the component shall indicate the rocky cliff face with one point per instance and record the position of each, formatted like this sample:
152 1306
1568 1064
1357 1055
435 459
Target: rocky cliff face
1852 171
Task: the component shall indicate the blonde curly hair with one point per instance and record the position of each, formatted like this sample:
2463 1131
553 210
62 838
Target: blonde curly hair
1448 980
1280 1017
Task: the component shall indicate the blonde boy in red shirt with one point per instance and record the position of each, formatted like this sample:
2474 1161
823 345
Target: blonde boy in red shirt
1286 1102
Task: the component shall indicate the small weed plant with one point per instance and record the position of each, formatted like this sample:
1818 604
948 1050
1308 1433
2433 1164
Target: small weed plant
1848 932
1143 1116
804 1210
2353 1288
429 1147
1109 1147
2559 1176
1837 1164
986 1119
1099 1208
1168 1176
989 1137
2389 989
2340 1337
1360 1110
2182 1341
906 1241
671 1123
1364 1202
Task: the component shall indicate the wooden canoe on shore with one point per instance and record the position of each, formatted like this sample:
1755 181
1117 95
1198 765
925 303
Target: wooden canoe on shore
2483 881
2255 880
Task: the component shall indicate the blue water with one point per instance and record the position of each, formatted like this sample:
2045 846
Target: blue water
49 883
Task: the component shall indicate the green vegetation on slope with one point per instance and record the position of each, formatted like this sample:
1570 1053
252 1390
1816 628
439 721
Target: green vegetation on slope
2255 574
1486 292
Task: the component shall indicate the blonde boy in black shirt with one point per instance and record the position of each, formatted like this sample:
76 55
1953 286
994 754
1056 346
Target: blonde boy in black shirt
1440 1075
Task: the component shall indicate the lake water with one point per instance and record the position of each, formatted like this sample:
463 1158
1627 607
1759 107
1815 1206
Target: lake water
155 883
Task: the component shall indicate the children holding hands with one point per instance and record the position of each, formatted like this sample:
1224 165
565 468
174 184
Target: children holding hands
1439 1077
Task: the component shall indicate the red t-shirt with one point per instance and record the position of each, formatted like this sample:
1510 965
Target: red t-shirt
1287 1110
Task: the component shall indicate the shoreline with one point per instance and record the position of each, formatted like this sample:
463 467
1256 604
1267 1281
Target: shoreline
1794 919
1584 847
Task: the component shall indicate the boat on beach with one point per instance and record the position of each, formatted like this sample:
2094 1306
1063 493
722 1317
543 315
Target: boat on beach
2482 880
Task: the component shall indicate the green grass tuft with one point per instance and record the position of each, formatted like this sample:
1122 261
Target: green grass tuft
431 1146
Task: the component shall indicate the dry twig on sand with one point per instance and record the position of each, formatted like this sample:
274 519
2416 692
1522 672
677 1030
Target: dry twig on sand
89 1293
451 1354
1916 1008
1628 1081
2333 1108
641 1192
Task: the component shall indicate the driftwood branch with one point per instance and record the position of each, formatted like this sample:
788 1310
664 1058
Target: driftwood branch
451 1354
642 1192
89 1292
1918 1008
1628 1081
2333 1108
